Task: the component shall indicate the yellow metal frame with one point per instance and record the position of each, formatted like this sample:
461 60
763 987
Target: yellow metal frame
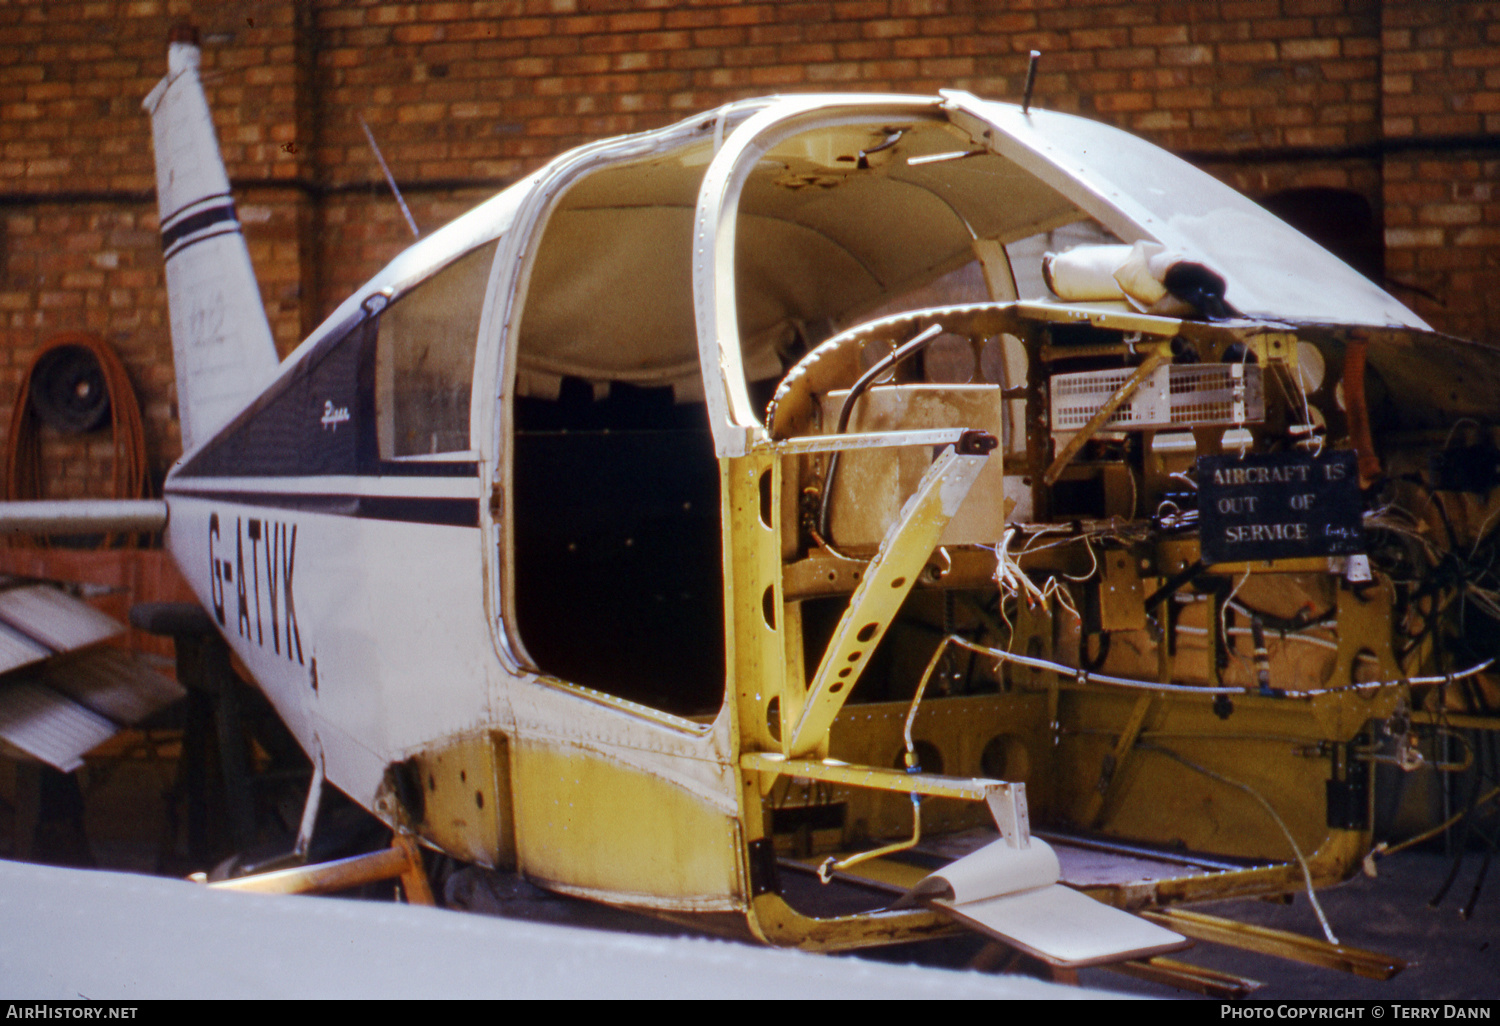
1088 749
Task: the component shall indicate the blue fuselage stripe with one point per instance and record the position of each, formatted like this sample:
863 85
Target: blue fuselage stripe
409 509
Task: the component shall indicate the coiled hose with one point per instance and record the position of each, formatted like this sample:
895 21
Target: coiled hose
82 409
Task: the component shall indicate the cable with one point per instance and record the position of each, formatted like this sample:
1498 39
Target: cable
1296 849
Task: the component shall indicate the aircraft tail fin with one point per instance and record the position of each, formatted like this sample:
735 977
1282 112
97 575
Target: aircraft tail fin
221 340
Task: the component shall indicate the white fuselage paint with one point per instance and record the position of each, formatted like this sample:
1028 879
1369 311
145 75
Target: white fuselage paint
369 636
389 618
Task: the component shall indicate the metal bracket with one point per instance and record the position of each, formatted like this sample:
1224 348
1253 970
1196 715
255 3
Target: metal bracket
888 579
310 809
1154 360
1012 816
1006 799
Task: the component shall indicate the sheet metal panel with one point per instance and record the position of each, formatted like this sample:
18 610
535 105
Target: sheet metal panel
1012 893
53 618
112 682
50 726
17 650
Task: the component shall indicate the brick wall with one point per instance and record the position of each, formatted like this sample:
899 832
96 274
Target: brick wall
1441 82
1397 100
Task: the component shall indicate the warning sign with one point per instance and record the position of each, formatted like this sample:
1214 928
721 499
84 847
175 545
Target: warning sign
1278 506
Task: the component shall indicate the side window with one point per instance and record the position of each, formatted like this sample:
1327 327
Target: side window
424 360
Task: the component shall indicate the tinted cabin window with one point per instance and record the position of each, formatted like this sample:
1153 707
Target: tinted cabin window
424 360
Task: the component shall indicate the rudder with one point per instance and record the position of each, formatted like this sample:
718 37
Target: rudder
221 340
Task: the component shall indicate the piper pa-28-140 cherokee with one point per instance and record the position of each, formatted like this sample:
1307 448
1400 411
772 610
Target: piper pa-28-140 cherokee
709 507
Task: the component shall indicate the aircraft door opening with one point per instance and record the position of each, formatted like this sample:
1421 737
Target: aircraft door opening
614 492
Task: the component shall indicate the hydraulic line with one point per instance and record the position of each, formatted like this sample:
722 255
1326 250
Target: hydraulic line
832 865
908 349
1083 676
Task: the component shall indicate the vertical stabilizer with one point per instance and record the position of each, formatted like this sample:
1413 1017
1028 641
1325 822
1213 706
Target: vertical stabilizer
221 340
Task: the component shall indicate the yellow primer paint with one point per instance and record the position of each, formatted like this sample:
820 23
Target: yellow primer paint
590 825
466 799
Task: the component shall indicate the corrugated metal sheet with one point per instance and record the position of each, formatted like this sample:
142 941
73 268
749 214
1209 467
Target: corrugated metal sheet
74 700
50 726
53 618
17 650
113 682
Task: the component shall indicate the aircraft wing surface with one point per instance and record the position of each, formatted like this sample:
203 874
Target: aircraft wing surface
218 944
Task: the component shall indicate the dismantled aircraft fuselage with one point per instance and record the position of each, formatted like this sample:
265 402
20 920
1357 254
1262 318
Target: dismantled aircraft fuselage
729 495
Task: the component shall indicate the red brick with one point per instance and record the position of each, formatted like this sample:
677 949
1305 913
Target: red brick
1233 10
690 18
678 40
1006 23
697 57
1477 236
1317 136
862 50
1186 55
638 21
777 75
1309 49
1449 124
1123 102
1252 97
953 27
889 29
1158 78
523 27
584 25
946 69
801 13
1247 52
1487 57
1413 61
719 37
1277 114
913 8
833 72
749 55
1221 118
1094 39
810 54
1184 98
1127 57
920 47
890 69
1350 71
855 10
1160 120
